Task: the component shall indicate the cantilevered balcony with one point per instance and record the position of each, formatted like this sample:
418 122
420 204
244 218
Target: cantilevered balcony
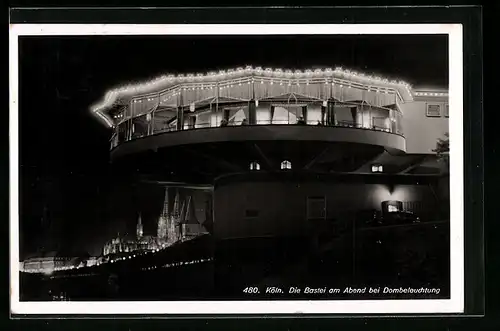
296 111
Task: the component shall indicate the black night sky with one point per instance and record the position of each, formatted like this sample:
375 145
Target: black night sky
64 150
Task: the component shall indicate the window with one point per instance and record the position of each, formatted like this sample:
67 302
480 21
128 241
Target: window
413 206
316 208
251 213
377 168
433 110
286 165
392 209
447 110
254 166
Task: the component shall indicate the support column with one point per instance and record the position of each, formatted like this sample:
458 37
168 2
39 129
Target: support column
180 119
153 122
392 121
330 116
323 114
130 129
252 112
354 114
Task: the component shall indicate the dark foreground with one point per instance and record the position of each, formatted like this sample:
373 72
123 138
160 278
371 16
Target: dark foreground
404 256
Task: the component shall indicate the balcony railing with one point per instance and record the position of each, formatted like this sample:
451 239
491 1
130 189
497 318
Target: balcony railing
198 126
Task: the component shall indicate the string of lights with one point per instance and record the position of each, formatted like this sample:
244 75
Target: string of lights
50 270
213 79
432 94
177 264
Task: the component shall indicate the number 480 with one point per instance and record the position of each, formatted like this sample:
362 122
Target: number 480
251 290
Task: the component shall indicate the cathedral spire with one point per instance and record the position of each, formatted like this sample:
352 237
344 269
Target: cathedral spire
139 229
166 210
174 220
176 210
162 221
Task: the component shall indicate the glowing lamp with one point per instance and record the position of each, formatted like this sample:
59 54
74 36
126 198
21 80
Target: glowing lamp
377 168
286 165
254 166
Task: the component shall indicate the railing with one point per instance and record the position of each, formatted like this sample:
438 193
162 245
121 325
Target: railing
115 141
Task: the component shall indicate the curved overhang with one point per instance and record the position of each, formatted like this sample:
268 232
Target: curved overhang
394 143
124 95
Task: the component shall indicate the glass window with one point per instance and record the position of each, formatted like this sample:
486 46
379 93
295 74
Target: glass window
316 208
254 166
377 168
433 110
286 165
251 213
392 209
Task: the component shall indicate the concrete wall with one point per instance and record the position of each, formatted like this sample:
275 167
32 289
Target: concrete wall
422 132
281 206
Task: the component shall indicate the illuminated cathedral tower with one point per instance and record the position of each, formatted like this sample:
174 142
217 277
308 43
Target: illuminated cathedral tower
139 230
174 221
163 219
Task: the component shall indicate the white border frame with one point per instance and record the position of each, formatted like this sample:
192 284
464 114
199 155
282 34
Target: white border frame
454 305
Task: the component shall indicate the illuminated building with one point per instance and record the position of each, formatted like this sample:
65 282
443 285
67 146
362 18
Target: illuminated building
281 150
49 262
139 230
125 245
173 226
163 219
174 222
